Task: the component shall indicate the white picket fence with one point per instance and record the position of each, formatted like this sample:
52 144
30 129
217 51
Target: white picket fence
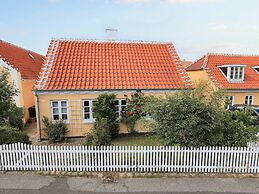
22 157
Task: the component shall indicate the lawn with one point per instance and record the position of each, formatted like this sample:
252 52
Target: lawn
143 139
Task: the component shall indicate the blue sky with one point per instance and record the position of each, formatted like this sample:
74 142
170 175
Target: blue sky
194 26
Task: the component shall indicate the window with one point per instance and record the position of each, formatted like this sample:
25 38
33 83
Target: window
256 68
120 105
229 102
88 111
236 74
59 110
233 73
249 100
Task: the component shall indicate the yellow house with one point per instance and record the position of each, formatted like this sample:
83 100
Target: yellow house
23 66
238 75
76 72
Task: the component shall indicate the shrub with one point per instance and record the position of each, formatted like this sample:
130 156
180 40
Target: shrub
16 117
55 131
10 135
197 118
100 135
10 114
104 107
133 111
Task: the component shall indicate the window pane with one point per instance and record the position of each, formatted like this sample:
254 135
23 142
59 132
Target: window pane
123 102
55 117
64 110
116 102
117 114
64 116
251 100
86 103
123 108
55 104
63 104
246 100
236 72
87 116
231 72
87 109
55 110
231 100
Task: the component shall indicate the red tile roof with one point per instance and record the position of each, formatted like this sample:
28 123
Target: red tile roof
210 63
28 63
107 65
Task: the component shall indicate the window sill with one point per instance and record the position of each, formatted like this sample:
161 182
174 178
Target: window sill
88 121
65 121
236 81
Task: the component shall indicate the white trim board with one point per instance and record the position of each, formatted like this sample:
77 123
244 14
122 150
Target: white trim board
101 91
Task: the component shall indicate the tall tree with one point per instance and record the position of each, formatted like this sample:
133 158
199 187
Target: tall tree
10 114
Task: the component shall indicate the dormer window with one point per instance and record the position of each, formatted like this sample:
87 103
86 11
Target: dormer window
233 73
256 68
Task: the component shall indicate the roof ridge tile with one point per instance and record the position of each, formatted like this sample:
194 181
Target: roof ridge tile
110 41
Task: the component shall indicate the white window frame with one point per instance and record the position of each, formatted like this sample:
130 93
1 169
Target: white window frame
255 68
59 107
236 73
232 102
237 70
120 106
91 119
248 100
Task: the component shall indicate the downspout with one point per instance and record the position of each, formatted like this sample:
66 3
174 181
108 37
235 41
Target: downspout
38 120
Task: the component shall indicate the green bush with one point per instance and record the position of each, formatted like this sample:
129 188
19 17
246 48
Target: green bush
55 131
100 135
10 135
10 114
197 118
16 117
133 111
104 107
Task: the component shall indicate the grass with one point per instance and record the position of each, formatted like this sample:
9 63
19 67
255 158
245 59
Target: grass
142 139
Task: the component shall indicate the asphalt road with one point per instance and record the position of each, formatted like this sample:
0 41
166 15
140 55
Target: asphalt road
36 184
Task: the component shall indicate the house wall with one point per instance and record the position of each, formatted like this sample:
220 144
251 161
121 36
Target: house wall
25 96
201 76
239 96
76 125
28 96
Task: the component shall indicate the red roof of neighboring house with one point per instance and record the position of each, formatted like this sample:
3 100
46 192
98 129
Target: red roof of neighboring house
186 63
210 63
28 63
108 65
